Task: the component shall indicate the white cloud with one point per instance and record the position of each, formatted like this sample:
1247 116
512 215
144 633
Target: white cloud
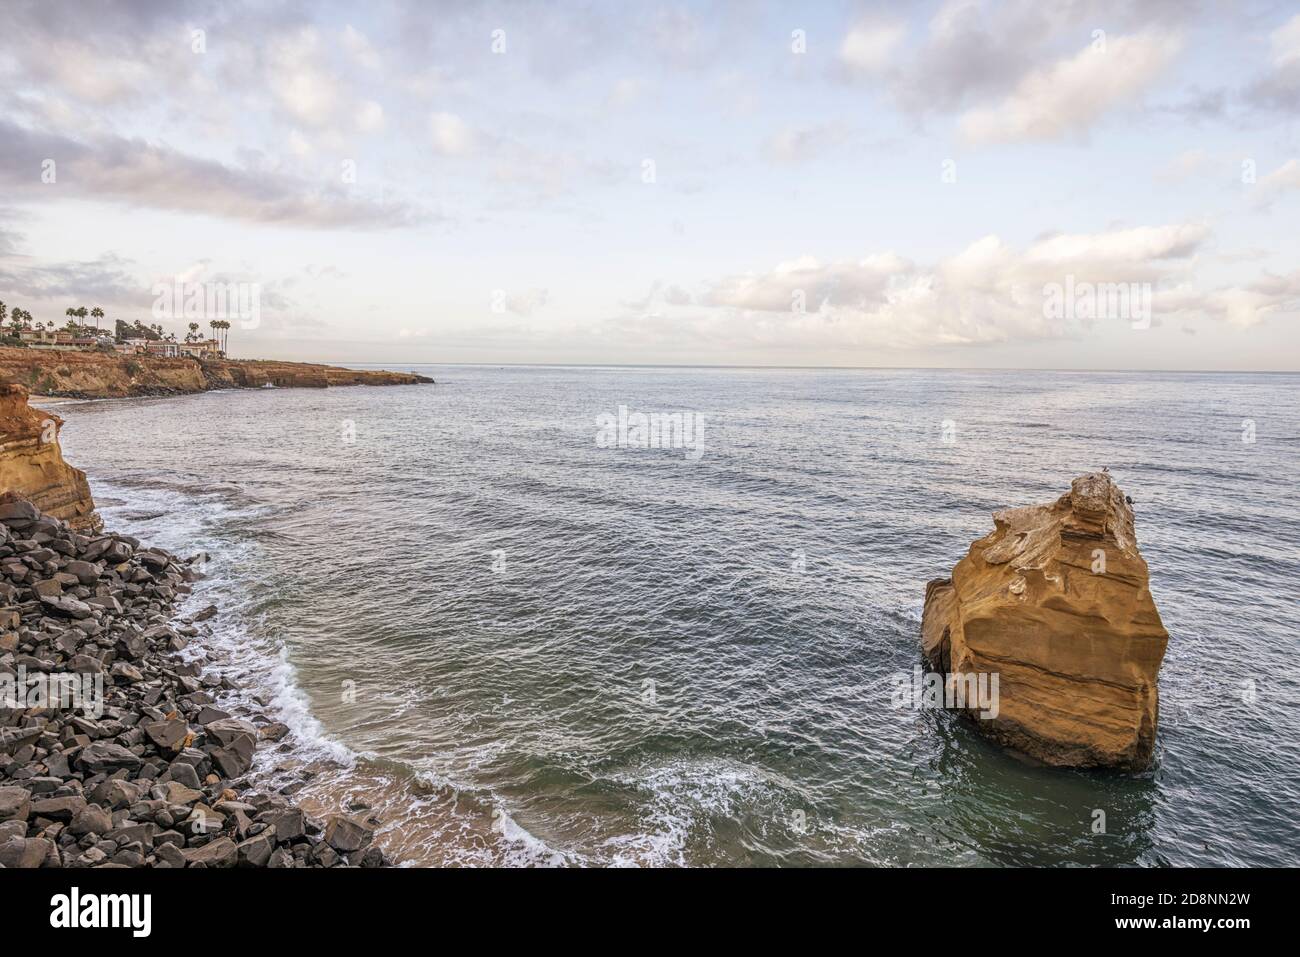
360 48
370 117
526 303
1279 87
1240 306
1071 95
141 174
450 135
985 293
1283 179
869 46
299 80
798 145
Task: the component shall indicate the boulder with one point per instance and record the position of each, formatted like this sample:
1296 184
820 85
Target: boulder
91 819
59 808
347 834
15 804
219 853
106 756
25 852
1055 602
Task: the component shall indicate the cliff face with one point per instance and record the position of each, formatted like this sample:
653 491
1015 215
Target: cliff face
1056 602
31 463
107 375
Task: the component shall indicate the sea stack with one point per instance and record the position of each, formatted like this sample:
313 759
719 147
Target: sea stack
1056 602
31 464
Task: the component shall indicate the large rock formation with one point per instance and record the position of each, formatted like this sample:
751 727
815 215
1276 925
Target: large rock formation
1055 601
31 463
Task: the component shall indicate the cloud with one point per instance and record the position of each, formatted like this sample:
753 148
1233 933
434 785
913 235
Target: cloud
526 303
799 145
971 53
1240 306
450 135
1073 94
1282 180
1187 165
360 48
1279 88
987 292
869 45
137 173
108 281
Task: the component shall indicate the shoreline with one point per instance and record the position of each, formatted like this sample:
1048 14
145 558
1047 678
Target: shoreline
153 773
68 374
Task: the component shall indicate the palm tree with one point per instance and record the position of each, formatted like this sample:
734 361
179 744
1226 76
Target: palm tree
98 314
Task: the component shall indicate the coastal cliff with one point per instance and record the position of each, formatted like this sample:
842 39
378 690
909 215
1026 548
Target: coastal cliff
31 462
97 375
1056 602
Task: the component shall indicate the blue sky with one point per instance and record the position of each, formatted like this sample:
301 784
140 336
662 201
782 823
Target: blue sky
917 174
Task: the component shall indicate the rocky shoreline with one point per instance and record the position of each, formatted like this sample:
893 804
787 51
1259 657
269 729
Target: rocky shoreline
67 374
148 771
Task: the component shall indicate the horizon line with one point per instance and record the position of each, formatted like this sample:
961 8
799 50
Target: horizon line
800 368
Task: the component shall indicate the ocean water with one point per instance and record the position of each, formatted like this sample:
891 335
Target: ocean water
520 647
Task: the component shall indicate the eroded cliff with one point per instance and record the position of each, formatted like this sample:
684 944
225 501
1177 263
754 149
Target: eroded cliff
97 375
32 466
1056 602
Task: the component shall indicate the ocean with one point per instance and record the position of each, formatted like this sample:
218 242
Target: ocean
522 641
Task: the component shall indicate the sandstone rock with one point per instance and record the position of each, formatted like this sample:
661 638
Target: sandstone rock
1056 602
32 466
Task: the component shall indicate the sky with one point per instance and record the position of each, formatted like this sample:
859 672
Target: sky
838 184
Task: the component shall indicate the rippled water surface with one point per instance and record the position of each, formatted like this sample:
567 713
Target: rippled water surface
521 647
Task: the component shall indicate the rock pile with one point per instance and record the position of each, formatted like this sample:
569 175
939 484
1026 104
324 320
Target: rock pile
155 774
